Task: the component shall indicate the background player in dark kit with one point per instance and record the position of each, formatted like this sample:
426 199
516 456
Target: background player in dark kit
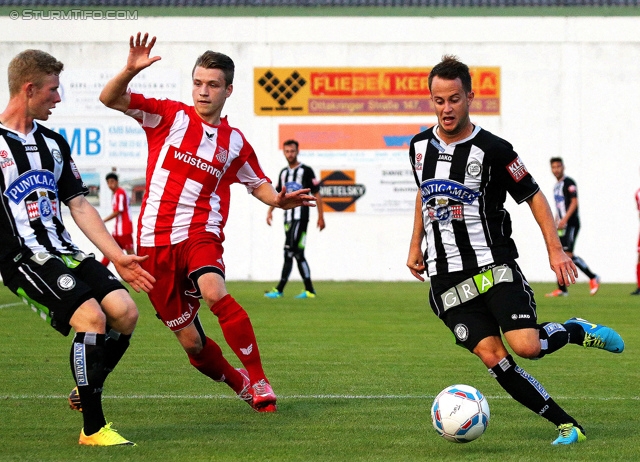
565 193
295 176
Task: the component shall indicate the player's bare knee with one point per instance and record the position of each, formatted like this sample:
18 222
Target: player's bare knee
190 339
89 318
121 311
527 351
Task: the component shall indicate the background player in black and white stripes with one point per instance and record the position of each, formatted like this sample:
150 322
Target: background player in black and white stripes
464 174
296 176
565 193
38 260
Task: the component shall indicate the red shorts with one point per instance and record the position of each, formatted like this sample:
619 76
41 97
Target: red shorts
125 242
175 295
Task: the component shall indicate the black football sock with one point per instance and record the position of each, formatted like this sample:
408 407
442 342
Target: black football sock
528 391
286 271
116 345
580 263
305 273
553 336
87 361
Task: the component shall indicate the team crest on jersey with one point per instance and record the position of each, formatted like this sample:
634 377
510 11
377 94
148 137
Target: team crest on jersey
44 208
222 155
474 168
292 186
443 212
57 155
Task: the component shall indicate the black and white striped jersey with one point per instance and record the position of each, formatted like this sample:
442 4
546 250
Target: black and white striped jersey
463 187
300 177
563 191
37 173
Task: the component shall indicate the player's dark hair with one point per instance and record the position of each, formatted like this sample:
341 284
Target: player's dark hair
31 66
291 142
111 176
556 159
450 68
214 60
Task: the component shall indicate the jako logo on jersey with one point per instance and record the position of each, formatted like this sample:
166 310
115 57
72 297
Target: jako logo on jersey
31 181
447 188
190 159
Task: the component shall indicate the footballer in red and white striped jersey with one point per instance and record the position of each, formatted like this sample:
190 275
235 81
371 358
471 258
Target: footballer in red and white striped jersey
190 169
120 204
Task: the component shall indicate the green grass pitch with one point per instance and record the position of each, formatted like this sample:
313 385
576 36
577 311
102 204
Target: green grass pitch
356 370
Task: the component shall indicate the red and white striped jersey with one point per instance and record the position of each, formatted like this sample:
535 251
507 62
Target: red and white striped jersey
120 204
190 169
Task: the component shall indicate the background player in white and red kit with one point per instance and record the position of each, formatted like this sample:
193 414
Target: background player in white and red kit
194 157
637 291
123 229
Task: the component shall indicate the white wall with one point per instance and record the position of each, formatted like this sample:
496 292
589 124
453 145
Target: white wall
569 87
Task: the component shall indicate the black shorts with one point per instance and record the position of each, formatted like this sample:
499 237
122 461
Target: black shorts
479 304
568 237
55 290
295 236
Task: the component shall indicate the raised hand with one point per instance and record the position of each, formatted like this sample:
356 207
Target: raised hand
139 52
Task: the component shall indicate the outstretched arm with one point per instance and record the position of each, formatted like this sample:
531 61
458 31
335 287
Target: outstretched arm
90 223
114 95
283 200
561 264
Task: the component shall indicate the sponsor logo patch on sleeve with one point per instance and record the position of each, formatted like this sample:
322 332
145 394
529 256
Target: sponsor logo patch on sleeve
517 170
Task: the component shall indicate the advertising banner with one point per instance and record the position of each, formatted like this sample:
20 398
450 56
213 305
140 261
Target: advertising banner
361 91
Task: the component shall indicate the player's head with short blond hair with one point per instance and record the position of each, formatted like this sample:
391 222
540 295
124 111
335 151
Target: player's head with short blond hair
31 66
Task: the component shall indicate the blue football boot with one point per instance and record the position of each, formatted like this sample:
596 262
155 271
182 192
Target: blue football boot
599 336
570 434
274 293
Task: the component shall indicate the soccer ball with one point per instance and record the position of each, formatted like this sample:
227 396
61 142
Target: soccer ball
460 413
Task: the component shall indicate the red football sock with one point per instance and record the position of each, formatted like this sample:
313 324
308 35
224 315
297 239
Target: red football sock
638 274
211 363
238 332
